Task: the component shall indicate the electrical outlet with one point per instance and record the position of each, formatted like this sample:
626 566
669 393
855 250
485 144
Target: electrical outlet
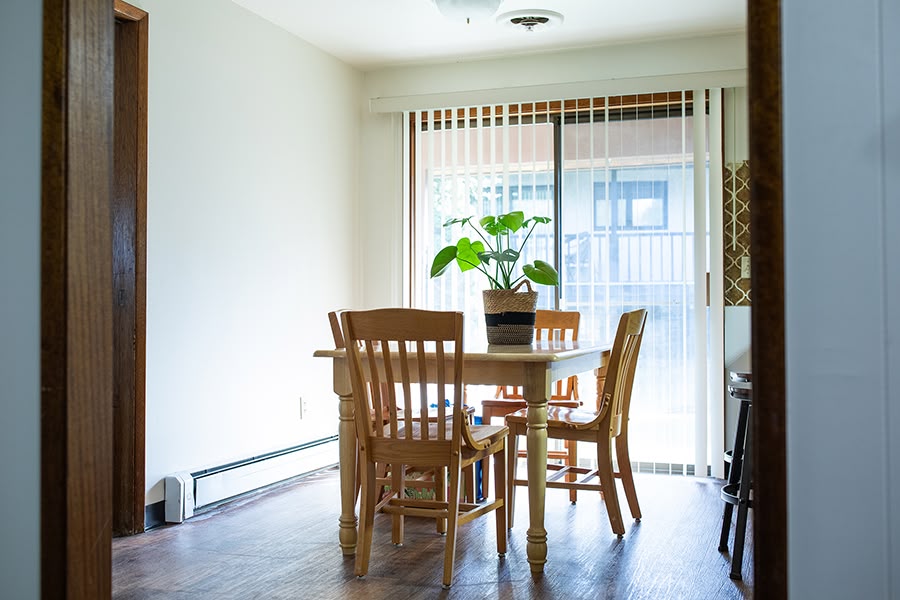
745 267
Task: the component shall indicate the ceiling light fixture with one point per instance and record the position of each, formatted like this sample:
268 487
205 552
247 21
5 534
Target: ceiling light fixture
530 20
467 10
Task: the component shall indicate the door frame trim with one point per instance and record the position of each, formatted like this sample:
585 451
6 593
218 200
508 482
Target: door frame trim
767 307
76 300
129 466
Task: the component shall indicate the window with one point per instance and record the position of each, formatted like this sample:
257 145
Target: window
631 205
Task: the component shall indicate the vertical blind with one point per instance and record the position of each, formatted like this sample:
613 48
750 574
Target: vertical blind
617 176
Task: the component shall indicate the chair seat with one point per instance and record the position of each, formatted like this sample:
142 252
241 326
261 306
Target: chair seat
558 416
488 433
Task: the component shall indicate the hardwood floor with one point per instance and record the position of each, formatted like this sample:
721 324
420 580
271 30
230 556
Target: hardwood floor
283 543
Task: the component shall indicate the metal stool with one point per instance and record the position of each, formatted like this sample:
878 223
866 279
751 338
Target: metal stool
737 491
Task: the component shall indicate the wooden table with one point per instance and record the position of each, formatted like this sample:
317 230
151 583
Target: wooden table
534 368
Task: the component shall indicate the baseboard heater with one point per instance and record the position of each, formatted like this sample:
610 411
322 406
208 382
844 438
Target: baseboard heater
187 492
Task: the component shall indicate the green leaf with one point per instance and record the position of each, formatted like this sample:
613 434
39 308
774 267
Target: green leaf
541 272
467 254
485 222
493 227
462 221
486 257
443 258
541 219
513 220
509 255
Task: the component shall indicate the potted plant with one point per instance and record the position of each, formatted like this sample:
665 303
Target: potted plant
509 313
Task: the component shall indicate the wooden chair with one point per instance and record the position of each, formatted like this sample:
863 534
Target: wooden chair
423 482
607 425
386 355
549 325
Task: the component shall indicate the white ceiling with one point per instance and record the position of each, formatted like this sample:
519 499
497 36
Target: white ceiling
371 34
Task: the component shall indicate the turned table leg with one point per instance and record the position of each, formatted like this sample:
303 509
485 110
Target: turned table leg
536 391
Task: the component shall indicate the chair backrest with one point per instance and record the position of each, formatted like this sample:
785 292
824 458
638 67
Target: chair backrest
390 374
552 325
335 321
556 324
615 400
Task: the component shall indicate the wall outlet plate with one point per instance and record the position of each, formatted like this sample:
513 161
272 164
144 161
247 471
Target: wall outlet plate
745 267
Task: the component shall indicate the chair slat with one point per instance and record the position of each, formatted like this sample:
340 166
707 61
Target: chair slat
441 388
389 387
423 385
407 395
377 408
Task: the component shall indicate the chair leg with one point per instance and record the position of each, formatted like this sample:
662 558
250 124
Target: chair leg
572 461
512 456
381 472
398 483
440 494
366 516
734 473
740 528
452 519
726 527
608 484
358 475
500 493
624 462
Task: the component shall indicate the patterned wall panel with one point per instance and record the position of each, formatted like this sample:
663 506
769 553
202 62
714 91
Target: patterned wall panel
736 201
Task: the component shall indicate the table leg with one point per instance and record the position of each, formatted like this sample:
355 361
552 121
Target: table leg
347 455
536 390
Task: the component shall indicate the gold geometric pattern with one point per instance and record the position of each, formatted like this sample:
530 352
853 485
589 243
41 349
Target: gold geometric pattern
736 202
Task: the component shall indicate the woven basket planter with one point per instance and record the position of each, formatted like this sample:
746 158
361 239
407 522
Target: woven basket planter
509 315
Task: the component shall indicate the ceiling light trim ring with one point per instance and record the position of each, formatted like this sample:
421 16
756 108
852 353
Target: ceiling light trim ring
530 19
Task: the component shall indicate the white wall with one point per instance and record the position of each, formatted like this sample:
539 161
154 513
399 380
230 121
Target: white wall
652 66
20 203
842 184
253 170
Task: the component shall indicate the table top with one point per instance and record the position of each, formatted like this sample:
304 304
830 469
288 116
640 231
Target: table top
543 351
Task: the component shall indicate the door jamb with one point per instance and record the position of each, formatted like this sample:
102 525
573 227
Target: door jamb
767 308
129 455
76 303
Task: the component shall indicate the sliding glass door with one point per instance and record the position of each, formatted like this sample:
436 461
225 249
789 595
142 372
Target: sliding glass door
617 177
627 223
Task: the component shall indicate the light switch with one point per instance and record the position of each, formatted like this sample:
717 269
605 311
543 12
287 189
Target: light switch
745 267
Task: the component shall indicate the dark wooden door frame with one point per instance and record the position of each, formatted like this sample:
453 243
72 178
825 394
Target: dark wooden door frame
767 311
76 306
129 231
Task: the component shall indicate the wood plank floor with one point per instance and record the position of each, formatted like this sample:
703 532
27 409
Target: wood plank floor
282 543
